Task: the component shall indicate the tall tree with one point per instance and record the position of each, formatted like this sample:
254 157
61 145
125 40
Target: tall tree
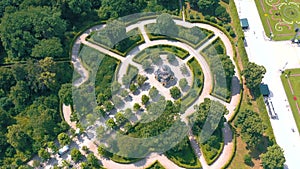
118 8
7 79
273 158
65 94
44 154
253 74
18 138
80 7
47 48
20 94
208 6
63 139
76 155
252 127
23 29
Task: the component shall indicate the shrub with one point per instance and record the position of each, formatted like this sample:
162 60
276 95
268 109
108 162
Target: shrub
247 159
76 155
232 34
175 92
136 107
145 99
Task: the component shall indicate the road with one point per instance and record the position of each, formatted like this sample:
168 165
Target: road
274 55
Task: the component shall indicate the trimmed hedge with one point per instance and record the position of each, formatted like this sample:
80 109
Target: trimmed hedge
123 160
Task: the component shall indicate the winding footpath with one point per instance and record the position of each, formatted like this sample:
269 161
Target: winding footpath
228 149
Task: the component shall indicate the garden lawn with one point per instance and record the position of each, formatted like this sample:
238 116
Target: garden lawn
293 99
185 157
194 37
213 147
160 49
279 17
197 86
215 49
123 160
134 38
106 67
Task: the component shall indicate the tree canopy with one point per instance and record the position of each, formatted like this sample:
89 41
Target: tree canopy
253 74
23 29
273 158
252 127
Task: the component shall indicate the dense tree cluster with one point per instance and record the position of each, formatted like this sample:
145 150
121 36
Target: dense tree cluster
273 158
214 108
39 33
252 127
211 8
32 28
29 108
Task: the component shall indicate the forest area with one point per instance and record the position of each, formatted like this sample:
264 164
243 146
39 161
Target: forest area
36 37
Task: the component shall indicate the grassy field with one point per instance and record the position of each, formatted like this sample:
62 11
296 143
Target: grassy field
279 17
295 84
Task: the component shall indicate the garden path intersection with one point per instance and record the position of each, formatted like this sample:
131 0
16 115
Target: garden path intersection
228 149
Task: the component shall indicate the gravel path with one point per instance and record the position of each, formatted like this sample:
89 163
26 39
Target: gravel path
228 147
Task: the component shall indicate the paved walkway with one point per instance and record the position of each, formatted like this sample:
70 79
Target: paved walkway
228 148
273 56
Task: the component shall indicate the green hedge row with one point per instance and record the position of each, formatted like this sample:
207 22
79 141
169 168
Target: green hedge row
188 99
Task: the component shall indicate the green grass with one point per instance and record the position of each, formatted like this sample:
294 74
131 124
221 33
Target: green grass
197 86
90 57
185 35
156 165
295 82
124 46
185 158
211 153
216 48
160 49
281 21
106 65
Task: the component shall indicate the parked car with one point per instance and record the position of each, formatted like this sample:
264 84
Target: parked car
63 150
